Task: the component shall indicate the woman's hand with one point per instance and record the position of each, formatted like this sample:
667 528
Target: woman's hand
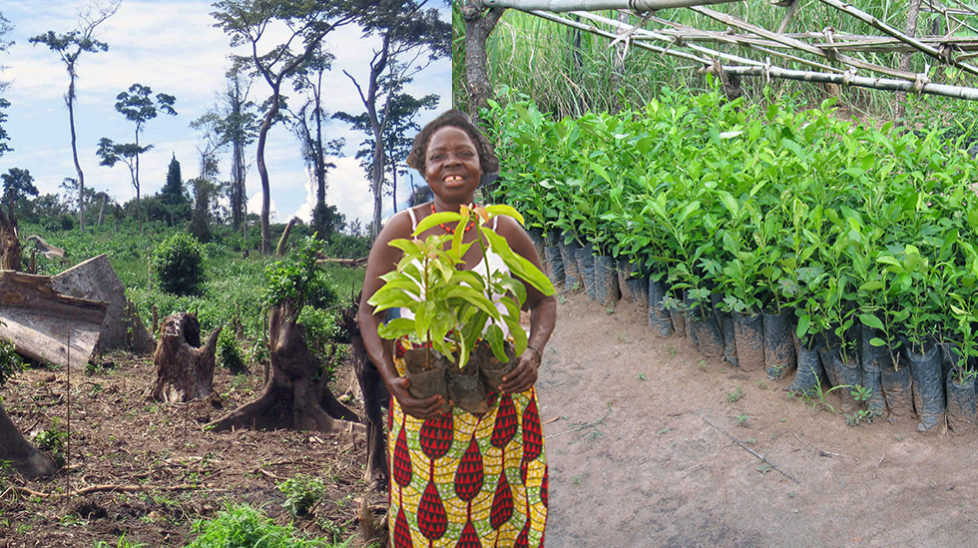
418 408
522 377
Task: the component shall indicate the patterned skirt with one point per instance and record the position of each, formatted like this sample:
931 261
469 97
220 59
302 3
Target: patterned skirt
465 480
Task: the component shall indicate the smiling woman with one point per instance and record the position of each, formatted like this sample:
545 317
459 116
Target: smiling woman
461 479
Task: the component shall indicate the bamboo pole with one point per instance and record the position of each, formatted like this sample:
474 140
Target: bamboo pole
885 84
680 36
840 57
949 15
880 25
557 6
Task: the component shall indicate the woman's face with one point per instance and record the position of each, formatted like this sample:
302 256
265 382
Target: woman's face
452 166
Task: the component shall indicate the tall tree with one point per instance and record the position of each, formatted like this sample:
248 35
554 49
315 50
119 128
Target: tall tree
398 136
17 184
173 197
139 107
233 123
307 124
479 24
5 27
69 46
305 24
406 29
111 153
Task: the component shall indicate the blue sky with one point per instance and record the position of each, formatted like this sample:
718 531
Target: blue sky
172 47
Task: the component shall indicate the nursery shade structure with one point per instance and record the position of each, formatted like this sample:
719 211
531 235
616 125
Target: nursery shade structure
743 48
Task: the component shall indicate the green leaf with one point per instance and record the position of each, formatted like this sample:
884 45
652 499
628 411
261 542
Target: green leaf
503 209
871 320
494 334
802 329
877 342
435 219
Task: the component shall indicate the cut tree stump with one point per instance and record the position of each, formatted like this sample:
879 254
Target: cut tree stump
295 397
9 243
184 368
24 457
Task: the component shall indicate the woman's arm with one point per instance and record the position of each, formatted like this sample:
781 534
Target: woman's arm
383 258
543 312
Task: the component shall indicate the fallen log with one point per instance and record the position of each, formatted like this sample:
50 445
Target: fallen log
45 325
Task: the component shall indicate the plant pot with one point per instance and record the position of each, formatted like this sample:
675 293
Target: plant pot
749 337
896 382
605 281
928 387
572 274
624 269
466 389
555 264
678 322
810 377
960 405
585 265
849 376
729 338
871 378
827 355
539 242
639 288
491 369
659 318
427 379
779 349
703 328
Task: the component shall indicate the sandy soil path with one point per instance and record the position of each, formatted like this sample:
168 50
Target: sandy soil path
634 462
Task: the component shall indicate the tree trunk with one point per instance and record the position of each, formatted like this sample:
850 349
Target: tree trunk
266 238
477 30
70 100
101 210
375 396
184 368
911 30
9 243
283 242
295 397
24 457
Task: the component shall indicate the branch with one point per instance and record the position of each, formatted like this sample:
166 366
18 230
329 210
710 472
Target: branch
751 451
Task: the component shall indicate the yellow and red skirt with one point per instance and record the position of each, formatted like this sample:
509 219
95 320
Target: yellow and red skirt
465 480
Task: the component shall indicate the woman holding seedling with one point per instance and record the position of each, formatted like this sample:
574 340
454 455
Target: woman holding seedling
475 477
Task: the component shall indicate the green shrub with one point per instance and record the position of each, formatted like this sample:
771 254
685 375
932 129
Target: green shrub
10 362
243 525
229 353
53 440
300 278
178 263
301 493
122 543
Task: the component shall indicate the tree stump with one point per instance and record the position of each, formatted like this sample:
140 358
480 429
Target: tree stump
295 397
9 243
24 457
184 368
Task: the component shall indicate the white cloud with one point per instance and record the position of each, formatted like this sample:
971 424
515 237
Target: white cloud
254 206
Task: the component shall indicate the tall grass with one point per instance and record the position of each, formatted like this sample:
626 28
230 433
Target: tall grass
568 72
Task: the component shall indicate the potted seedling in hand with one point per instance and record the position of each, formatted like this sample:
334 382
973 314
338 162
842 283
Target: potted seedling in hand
461 317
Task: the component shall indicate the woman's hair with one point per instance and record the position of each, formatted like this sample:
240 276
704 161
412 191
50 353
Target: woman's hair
458 119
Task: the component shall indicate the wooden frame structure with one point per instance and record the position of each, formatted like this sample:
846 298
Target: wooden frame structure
829 55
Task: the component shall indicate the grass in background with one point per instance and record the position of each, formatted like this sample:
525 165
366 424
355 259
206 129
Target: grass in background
569 72
234 286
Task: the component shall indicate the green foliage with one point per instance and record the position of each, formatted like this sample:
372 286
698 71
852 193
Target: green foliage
53 440
10 362
178 264
229 352
242 525
455 307
121 543
772 207
299 277
301 493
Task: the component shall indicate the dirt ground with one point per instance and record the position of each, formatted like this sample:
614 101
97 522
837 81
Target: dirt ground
634 459
164 471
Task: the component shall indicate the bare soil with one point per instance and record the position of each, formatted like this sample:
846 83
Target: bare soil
148 469
634 458
635 462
